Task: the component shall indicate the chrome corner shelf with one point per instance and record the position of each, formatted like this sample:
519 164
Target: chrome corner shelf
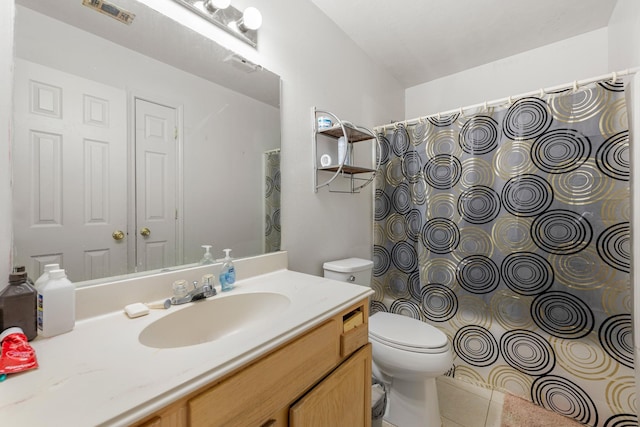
352 135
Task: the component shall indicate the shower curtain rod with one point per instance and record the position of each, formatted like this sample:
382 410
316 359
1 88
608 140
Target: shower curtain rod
574 85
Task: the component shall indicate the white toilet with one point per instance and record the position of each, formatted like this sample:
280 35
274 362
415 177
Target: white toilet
408 354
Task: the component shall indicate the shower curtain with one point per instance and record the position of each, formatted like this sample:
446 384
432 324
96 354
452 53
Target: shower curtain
272 201
509 229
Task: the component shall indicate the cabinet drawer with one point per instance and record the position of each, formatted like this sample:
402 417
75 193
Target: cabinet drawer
250 396
352 340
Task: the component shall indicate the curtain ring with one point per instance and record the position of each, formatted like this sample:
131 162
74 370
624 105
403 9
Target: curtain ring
510 99
461 113
614 77
438 115
541 93
486 106
575 85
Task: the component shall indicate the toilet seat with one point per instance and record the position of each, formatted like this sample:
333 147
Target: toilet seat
406 333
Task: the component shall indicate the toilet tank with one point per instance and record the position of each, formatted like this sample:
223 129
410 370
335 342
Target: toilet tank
353 270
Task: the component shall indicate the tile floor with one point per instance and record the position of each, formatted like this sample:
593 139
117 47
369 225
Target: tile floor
483 407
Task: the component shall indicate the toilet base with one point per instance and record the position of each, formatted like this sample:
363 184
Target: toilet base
413 404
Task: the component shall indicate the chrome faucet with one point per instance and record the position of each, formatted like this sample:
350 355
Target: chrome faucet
196 294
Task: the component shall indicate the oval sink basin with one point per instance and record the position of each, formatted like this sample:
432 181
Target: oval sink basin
209 320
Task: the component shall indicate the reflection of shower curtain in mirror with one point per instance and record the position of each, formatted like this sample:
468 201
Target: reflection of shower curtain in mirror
509 229
272 201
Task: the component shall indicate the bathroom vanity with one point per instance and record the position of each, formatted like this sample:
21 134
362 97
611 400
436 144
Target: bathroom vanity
322 377
306 362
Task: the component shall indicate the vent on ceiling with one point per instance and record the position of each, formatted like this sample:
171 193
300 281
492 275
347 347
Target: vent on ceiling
111 10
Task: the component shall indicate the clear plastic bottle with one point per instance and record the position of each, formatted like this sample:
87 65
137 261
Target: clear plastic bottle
18 305
56 305
207 258
227 273
45 275
342 151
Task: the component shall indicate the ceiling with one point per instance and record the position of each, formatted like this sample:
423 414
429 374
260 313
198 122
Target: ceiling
422 40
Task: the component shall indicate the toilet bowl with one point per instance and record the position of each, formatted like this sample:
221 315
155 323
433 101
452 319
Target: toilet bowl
408 354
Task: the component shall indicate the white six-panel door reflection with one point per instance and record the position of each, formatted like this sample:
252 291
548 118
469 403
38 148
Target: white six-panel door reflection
70 157
156 139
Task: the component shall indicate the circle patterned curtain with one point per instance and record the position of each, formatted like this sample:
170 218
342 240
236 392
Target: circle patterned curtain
509 229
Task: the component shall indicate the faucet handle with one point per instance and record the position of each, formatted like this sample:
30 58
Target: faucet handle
180 288
208 285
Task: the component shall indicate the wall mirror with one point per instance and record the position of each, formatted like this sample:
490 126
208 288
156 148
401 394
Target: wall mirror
134 145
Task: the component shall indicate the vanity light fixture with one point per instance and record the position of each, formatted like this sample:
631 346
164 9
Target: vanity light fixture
251 20
243 25
213 5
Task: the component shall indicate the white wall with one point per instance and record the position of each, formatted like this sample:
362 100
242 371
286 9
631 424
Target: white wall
635 235
225 133
6 95
624 52
320 66
624 35
572 59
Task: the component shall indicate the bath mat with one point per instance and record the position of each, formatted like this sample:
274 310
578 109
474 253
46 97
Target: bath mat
517 412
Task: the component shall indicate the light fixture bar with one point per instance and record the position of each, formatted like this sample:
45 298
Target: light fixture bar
225 19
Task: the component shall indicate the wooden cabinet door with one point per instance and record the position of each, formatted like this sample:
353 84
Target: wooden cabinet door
175 415
342 399
250 397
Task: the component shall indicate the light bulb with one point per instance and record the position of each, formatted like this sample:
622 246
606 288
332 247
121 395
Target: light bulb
213 5
251 19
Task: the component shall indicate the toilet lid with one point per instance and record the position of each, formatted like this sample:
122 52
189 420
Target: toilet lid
402 331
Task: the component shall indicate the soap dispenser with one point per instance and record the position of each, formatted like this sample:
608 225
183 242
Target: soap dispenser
207 258
227 273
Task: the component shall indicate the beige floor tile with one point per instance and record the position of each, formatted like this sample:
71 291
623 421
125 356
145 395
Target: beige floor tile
483 392
497 396
448 423
494 416
462 406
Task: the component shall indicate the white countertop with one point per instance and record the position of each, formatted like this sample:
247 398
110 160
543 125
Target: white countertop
100 374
